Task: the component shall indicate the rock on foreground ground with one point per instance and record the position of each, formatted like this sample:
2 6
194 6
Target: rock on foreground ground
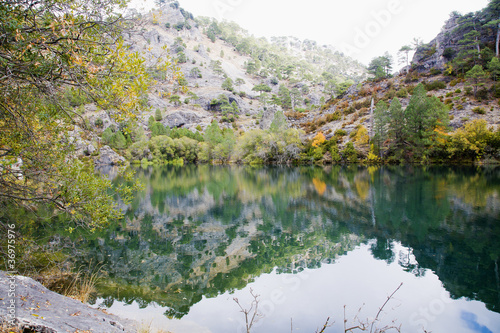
41 310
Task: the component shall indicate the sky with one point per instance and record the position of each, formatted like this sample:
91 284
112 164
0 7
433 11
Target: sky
362 29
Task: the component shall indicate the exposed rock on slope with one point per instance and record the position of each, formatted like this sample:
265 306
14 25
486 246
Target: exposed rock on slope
41 310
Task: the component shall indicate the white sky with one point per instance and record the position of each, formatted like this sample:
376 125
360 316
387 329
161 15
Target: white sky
364 29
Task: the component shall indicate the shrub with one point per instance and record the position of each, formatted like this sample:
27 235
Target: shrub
450 94
479 110
99 123
158 115
402 93
435 85
458 91
365 103
389 95
435 71
349 153
482 94
340 133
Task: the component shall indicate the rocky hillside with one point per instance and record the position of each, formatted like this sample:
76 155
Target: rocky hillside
458 67
242 82
222 64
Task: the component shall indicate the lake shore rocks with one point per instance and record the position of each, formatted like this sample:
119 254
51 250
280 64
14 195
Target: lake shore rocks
38 309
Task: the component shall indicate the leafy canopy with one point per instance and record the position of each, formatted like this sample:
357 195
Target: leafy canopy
48 47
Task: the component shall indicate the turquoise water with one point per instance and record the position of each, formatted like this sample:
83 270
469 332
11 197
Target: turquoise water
312 242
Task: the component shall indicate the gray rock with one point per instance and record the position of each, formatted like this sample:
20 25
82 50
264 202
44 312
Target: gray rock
180 119
41 310
108 156
89 150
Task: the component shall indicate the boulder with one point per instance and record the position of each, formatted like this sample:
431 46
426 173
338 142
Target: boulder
37 309
108 156
180 119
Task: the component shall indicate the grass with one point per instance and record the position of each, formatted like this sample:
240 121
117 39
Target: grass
146 328
83 285
79 285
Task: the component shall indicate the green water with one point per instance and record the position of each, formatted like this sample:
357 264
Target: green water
309 240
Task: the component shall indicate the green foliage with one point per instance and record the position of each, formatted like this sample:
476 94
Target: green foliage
219 144
380 123
195 73
158 129
262 88
217 67
284 97
279 123
494 68
396 127
423 115
258 147
158 115
177 133
114 139
349 153
175 99
472 141
99 123
181 58
435 85
228 84
340 133
479 110
476 74
381 67
162 148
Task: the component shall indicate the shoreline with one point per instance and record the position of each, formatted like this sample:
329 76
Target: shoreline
30 305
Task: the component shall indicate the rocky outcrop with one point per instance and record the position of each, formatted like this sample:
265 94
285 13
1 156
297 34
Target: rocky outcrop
181 118
108 156
32 307
433 55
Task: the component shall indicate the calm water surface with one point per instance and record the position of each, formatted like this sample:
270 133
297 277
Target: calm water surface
312 243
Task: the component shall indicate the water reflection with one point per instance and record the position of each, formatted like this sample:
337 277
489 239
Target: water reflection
201 231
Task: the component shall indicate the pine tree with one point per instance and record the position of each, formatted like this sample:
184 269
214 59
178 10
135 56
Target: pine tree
284 97
397 127
380 123
423 115
476 74
494 68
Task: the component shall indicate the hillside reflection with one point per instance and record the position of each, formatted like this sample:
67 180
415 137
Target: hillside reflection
202 230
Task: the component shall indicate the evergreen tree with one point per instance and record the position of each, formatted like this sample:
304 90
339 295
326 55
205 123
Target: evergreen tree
295 96
213 134
404 52
493 21
381 66
279 123
476 74
423 115
494 68
228 84
380 123
158 115
397 127
284 97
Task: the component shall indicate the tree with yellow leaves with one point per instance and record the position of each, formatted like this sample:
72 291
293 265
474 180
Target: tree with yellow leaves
318 139
50 49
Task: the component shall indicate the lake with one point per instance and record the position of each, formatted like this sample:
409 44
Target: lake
310 243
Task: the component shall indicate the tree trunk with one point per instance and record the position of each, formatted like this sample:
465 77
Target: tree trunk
498 41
